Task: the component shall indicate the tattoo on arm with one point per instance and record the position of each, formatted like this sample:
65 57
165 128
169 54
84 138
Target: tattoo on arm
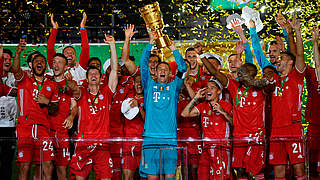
193 103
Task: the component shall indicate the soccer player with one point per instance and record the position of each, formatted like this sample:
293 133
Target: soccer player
216 117
93 103
8 113
78 72
60 124
159 153
286 111
133 133
37 97
248 118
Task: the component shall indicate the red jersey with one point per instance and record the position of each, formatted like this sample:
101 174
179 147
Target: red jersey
84 56
286 99
248 109
312 110
214 124
125 86
134 127
192 122
4 89
94 113
30 112
65 96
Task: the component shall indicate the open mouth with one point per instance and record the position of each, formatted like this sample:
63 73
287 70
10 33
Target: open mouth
93 79
6 64
209 94
39 67
162 75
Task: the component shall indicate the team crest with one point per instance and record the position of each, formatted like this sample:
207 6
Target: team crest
20 154
101 97
254 94
48 88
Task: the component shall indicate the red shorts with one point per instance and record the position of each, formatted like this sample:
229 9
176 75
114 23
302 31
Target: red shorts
190 140
34 144
131 155
280 149
214 163
61 147
94 156
249 156
116 155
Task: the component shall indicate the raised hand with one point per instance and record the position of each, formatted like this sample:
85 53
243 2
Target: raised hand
172 47
201 93
281 20
84 20
235 23
21 46
280 43
295 23
108 39
129 31
42 99
239 47
133 103
315 34
68 76
152 34
54 23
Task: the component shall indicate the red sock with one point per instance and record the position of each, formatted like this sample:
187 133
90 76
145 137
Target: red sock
259 176
278 178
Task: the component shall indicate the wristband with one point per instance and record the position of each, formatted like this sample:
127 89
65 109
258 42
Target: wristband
82 28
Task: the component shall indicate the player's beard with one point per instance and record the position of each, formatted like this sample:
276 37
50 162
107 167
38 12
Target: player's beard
38 74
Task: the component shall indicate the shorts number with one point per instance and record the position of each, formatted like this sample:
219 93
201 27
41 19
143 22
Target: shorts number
66 152
110 162
295 148
200 149
47 146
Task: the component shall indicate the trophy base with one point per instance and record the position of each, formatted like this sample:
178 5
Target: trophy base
163 41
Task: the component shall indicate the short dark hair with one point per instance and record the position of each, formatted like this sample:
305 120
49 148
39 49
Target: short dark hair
189 49
68 47
163 62
273 43
39 55
231 55
29 58
94 59
270 67
292 57
252 66
62 56
90 68
8 51
154 55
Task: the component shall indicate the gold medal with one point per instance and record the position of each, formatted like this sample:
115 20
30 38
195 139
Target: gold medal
280 94
209 112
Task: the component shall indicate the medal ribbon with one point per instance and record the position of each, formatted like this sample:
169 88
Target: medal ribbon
281 83
39 86
238 98
64 89
92 102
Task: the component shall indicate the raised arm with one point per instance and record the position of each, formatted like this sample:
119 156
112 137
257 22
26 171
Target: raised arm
213 71
144 59
287 32
316 58
113 76
17 71
300 64
84 55
190 110
181 65
51 41
256 46
129 32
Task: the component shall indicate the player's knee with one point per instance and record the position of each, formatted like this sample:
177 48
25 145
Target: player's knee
279 171
299 169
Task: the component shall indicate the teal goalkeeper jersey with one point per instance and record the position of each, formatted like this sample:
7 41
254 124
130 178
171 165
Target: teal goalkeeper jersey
160 100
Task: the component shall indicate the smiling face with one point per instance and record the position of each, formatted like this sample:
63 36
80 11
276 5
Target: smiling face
192 57
6 62
70 53
59 65
283 62
163 72
39 65
212 91
153 62
234 64
138 86
274 52
93 77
